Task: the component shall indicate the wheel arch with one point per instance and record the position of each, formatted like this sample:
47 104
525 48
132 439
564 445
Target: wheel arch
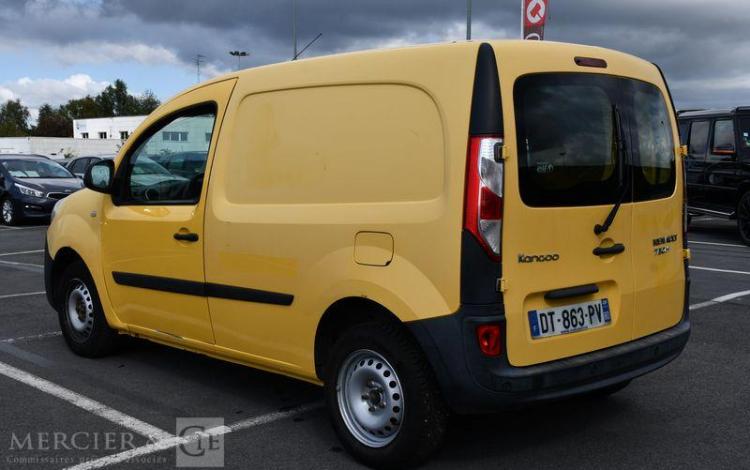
63 258
342 315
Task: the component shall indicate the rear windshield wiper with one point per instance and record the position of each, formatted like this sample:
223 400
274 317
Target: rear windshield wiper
622 153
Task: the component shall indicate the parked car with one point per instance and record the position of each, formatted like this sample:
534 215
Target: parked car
718 164
416 242
79 165
30 186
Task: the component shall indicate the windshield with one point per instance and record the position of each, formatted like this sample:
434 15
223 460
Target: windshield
567 142
36 169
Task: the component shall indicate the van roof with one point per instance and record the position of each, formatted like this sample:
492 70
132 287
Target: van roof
694 113
516 45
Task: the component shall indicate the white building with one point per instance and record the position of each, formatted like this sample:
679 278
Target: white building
119 127
59 147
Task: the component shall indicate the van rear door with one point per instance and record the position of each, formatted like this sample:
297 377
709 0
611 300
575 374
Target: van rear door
568 290
657 213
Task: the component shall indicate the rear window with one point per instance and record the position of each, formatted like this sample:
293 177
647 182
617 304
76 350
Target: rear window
567 139
651 134
745 137
723 137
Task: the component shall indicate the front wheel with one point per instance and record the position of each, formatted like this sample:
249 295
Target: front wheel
82 319
8 212
383 398
743 218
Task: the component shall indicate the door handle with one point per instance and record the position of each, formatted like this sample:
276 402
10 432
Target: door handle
186 237
615 249
576 291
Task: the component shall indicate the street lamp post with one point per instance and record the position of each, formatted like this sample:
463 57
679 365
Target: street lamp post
239 55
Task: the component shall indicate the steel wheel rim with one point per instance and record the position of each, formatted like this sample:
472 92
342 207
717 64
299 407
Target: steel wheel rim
79 308
744 217
370 398
7 211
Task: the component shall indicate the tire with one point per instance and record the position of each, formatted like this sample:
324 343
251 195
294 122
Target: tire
8 213
378 372
743 218
82 319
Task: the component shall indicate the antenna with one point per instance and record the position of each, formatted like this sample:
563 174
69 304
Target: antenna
198 60
468 20
294 28
308 45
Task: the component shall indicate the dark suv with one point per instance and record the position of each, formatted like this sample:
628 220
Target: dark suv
718 164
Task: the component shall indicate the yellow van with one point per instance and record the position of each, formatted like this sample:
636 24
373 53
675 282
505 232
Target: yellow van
459 227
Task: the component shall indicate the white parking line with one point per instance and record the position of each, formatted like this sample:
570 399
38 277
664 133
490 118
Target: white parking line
717 244
21 253
16 263
48 334
25 294
718 300
92 406
177 441
730 271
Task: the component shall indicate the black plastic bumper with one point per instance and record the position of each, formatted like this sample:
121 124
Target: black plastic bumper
34 208
473 383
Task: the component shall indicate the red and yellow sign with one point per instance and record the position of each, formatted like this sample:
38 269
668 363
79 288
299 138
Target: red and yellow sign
534 18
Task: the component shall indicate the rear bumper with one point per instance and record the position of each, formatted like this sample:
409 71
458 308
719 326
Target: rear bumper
472 382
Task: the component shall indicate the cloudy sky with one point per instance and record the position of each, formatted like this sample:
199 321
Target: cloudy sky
54 50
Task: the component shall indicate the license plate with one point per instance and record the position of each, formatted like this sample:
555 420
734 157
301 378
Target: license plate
569 318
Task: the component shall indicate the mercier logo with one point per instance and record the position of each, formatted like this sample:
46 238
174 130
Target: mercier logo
538 258
203 442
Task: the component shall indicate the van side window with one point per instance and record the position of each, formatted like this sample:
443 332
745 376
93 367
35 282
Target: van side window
151 176
723 141
698 140
745 137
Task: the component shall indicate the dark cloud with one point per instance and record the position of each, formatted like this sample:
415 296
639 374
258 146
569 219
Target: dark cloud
700 44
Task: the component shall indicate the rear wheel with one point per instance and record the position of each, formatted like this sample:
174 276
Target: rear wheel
8 212
743 218
82 319
382 397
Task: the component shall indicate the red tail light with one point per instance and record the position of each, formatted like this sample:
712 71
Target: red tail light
488 337
483 205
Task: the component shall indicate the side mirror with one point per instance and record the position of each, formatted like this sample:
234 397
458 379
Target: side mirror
99 176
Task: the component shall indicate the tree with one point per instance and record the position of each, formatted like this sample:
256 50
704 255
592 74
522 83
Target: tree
82 108
115 100
53 122
14 119
147 103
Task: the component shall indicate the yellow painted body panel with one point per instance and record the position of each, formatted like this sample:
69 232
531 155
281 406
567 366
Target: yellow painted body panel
293 177
315 152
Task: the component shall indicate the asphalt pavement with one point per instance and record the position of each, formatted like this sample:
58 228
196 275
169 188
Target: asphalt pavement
58 410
